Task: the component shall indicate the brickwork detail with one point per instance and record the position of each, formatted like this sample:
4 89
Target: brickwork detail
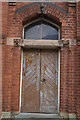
69 42
17 42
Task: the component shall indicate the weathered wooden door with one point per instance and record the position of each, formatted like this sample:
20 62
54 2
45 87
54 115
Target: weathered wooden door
40 81
49 79
30 81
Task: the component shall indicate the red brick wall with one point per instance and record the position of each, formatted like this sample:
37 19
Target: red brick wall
64 79
69 23
15 88
78 61
0 60
78 82
5 88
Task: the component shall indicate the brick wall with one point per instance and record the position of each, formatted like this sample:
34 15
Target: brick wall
0 60
67 16
78 60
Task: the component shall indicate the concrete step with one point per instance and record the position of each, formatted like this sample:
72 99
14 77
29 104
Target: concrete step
38 116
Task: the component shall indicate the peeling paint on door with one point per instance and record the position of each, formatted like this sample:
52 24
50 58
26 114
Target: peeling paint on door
40 81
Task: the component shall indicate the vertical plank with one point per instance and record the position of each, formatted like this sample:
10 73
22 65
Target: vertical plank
30 80
49 82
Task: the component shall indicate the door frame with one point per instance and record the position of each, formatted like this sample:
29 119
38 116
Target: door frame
58 80
53 45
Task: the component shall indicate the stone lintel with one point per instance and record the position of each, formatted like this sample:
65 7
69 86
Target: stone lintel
40 43
34 43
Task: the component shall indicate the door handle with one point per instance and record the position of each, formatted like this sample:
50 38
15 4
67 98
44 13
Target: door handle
44 80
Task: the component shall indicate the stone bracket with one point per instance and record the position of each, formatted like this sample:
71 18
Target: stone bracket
17 42
69 42
13 41
65 42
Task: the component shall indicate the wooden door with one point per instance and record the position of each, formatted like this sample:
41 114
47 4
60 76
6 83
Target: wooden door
31 79
40 77
49 79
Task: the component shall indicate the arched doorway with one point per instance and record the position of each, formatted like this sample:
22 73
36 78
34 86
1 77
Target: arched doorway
40 70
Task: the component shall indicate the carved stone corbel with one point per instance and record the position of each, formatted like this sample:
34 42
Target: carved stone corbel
70 42
17 42
65 42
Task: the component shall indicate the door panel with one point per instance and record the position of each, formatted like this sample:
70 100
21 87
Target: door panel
31 79
40 77
49 85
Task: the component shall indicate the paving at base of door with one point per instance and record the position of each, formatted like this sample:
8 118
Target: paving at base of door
39 116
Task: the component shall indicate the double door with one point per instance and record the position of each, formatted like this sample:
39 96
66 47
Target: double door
40 81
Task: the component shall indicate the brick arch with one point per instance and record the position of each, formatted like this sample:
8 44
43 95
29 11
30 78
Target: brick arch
35 10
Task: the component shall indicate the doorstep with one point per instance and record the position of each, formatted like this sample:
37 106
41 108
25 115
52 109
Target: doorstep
41 116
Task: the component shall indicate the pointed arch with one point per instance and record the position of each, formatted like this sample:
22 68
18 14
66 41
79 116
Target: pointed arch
36 10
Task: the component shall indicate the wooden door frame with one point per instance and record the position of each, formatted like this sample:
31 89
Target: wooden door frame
41 44
58 80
